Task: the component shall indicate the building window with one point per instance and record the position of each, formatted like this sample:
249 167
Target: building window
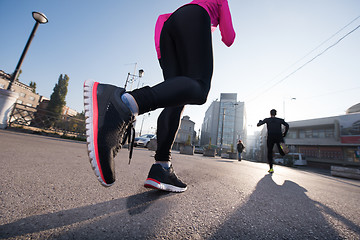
308 134
29 105
301 134
356 128
315 133
329 133
321 133
31 98
291 134
22 94
19 101
2 86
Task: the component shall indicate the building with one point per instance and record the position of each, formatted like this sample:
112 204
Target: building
253 146
186 132
210 124
224 122
44 102
27 96
30 105
325 141
353 109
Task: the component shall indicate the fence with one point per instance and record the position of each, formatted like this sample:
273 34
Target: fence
40 120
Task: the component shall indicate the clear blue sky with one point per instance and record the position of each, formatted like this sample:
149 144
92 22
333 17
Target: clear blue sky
102 40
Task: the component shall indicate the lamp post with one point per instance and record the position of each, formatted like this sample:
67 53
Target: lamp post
39 18
284 105
133 77
142 123
199 142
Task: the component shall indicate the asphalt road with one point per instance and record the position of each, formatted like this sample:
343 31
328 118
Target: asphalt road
48 191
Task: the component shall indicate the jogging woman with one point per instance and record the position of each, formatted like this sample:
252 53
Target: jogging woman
184 47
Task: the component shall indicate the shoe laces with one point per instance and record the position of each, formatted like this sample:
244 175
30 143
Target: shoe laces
130 137
119 142
173 176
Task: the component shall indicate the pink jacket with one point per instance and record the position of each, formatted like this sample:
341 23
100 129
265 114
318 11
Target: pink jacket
219 13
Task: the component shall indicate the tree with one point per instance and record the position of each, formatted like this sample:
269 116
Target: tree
17 79
33 86
57 98
81 115
20 72
79 125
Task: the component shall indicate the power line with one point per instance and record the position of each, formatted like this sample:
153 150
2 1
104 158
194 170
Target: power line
334 92
312 59
323 42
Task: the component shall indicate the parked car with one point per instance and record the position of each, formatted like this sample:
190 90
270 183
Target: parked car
199 150
296 159
143 140
278 159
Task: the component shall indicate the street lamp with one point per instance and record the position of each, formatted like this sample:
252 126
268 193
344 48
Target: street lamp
39 18
284 105
142 123
133 77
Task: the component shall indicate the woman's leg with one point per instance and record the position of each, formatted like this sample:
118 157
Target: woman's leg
177 70
167 127
169 120
186 61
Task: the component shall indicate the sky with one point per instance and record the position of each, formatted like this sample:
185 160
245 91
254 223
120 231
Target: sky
300 57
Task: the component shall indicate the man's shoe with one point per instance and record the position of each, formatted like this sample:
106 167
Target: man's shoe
164 179
271 170
107 121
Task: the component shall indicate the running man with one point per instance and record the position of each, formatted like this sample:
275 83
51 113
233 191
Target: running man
275 135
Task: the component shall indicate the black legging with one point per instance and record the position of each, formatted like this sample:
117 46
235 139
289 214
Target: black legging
187 64
271 141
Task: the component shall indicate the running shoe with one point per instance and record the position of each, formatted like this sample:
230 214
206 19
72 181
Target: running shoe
164 179
107 122
271 170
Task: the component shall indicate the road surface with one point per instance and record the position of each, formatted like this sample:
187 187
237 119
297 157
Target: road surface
48 191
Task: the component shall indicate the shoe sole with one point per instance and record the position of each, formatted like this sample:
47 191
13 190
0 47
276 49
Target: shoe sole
152 183
91 123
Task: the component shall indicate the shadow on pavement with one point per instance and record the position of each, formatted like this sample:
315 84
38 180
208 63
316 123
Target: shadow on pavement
137 204
77 220
226 161
271 213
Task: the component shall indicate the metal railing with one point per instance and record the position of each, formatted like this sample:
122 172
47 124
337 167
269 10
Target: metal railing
45 121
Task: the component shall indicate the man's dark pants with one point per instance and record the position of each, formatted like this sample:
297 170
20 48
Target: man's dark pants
271 141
